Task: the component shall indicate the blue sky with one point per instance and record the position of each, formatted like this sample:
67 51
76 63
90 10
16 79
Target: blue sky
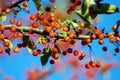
16 64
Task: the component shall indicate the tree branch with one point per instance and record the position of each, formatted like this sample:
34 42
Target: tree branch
14 5
58 35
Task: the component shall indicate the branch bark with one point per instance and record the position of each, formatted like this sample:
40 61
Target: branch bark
14 5
58 35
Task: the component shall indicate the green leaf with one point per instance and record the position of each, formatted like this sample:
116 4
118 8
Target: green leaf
29 50
31 44
105 8
71 23
11 45
25 39
3 18
46 55
86 18
39 40
84 7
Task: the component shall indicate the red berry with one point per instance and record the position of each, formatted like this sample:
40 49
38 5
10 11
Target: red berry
98 65
18 23
54 50
1 50
52 61
64 53
6 43
83 54
35 53
101 41
104 48
35 25
55 55
80 57
52 1
33 17
75 52
12 21
13 29
69 50
87 66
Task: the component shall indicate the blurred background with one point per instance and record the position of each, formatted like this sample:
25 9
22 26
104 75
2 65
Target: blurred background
24 66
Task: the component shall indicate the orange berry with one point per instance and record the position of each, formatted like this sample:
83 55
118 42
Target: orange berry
2 27
92 64
88 40
55 55
52 34
6 43
1 36
35 25
12 21
114 28
12 3
66 28
75 52
48 29
43 41
16 50
52 14
1 50
71 35
111 40
97 31
111 36
98 65
7 10
52 19
66 38
57 26
35 53
38 15
0 11
15 35
101 41
83 54
33 17
118 39
52 24
18 23
25 4
13 29
54 50
93 36
101 36
20 34
81 24
87 66
41 22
